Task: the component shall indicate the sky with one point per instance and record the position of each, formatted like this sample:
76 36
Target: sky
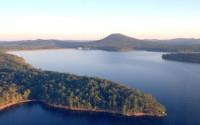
95 19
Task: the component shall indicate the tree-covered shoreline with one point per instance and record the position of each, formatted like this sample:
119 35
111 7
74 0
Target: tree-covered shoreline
184 57
20 81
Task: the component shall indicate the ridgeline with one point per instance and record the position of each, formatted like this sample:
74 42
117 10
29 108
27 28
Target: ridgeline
113 42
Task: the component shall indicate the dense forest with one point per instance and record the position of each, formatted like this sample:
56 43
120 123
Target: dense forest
113 42
185 57
20 81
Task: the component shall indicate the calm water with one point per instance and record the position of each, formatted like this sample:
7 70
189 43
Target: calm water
174 84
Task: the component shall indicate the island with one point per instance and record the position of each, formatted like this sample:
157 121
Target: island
184 57
21 82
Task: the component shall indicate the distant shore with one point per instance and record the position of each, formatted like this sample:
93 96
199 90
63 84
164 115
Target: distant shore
16 50
78 109
183 57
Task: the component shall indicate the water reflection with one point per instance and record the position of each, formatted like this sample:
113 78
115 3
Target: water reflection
49 115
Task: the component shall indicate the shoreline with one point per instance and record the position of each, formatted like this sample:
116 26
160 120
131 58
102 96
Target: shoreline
18 50
100 111
79 109
182 60
14 103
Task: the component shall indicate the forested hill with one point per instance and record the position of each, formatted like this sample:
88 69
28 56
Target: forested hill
120 42
20 81
113 42
117 42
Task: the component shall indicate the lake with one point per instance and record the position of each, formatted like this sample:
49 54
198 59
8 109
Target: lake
176 85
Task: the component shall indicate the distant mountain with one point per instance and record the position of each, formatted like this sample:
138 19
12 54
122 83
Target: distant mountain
118 42
177 41
113 42
118 39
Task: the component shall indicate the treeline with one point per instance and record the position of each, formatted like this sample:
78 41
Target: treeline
20 81
38 44
186 57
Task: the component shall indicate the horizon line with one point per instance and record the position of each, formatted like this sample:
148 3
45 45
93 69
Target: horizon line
93 39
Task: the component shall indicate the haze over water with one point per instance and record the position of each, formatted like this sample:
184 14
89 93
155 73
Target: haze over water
174 84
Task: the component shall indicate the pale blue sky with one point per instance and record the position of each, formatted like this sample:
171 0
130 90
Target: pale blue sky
94 19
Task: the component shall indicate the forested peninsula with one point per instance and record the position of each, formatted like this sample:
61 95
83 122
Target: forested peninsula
21 82
184 57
